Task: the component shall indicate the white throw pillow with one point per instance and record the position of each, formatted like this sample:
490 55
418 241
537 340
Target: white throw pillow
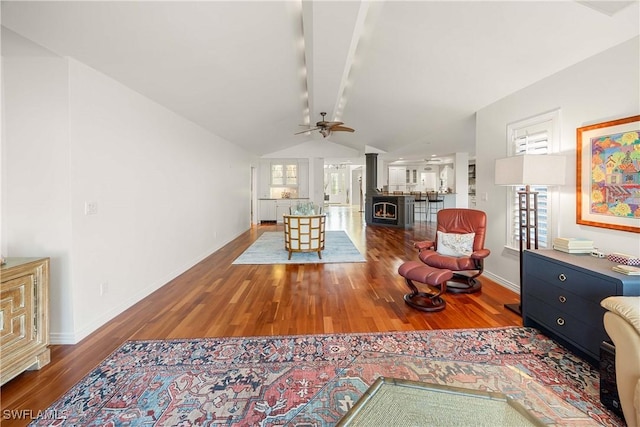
455 244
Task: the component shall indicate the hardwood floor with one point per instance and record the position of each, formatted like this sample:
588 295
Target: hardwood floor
217 299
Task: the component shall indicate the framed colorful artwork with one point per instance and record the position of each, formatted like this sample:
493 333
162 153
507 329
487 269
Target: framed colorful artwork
608 175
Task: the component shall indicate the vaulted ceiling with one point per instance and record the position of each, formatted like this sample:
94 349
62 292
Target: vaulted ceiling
407 75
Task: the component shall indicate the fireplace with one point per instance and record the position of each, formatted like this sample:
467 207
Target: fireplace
390 211
385 210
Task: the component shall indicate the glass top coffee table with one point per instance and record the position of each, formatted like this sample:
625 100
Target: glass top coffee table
393 401
422 387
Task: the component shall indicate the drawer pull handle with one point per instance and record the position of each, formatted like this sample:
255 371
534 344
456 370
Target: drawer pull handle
562 298
560 321
562 277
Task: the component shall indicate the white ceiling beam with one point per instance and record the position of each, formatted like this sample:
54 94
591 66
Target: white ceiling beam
307 31
365 20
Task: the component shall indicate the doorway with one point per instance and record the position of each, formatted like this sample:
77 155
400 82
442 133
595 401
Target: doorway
337 184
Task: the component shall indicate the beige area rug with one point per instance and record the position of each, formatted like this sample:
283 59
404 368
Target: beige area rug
269 249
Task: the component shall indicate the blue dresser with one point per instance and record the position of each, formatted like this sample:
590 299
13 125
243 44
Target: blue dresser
561 296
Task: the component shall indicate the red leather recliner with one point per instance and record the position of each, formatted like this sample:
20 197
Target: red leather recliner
456 249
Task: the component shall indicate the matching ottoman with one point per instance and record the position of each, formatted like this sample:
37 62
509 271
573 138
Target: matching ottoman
416 271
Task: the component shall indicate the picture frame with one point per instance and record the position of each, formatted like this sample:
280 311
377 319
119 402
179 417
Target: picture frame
608 174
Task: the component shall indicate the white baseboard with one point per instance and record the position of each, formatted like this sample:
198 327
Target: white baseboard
62 338
502 282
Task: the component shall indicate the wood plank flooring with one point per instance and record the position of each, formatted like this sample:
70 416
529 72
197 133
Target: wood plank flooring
217 299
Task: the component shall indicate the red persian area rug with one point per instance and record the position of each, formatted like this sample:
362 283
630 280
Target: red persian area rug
314 380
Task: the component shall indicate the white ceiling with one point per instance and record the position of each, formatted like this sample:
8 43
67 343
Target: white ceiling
407 75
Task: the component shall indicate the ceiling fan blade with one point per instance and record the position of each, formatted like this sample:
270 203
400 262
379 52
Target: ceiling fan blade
307 130
341 129
328 124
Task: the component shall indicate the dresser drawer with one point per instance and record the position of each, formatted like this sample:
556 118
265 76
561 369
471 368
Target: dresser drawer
589 286
557 298
17 325
561 296
24 319
585 336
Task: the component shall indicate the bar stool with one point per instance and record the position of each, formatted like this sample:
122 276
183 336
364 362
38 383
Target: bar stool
420 204
436 202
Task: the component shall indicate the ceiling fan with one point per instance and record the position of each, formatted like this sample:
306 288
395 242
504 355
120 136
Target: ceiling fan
325 128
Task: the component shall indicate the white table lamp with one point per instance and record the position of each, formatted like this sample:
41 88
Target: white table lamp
527 170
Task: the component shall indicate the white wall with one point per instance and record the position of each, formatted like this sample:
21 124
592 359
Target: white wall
601 88
357 185
36 218
461 179
168 192
316 180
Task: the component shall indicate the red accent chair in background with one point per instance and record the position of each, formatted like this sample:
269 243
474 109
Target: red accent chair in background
459 247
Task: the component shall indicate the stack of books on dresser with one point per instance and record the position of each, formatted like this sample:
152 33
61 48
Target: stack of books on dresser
573 245
629 270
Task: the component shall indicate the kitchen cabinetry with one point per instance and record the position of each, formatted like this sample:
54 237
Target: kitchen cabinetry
472 180
397 178
24 316
283 207
411 176
264 179
279 176
267 210
561 296
284 174
272 210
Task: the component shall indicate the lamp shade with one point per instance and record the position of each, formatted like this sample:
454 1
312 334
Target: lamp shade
531 169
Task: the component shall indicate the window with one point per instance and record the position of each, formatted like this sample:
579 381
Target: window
537 135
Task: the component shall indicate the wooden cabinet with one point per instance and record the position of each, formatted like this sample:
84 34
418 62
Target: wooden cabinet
24 316
561 296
